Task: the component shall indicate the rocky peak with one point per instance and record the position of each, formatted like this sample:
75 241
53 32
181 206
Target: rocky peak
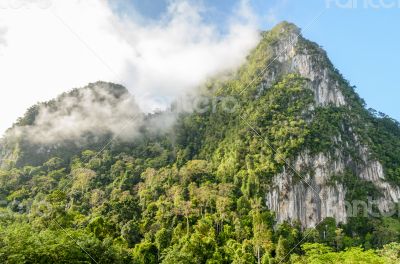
292 53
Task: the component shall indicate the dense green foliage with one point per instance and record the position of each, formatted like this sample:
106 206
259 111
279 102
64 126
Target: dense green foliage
115 208
195 194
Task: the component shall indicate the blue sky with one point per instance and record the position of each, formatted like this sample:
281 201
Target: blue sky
362 42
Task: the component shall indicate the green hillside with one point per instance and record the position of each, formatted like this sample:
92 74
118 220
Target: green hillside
194 192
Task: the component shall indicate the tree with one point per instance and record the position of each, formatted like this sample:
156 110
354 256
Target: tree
162 238
131 233
327 231
82 179
145 253
282 250
390 253
262 235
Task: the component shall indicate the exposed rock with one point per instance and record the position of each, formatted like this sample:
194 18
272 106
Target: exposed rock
289 56
310 194
313 197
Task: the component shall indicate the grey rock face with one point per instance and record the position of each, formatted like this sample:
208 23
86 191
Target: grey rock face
313 196
289 56
310 198
306 192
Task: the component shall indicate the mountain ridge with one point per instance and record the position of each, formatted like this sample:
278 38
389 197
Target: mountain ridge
84 117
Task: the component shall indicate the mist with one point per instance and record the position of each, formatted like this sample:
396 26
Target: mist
73 43
99 109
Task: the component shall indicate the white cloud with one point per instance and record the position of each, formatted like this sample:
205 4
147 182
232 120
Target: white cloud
74 42
176 55
100 109
3 42
3 31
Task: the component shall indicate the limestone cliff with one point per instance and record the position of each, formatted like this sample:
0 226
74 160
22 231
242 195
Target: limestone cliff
307 189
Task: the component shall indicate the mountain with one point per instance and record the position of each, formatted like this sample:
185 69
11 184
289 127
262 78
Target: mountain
80 119
282 163
326 145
